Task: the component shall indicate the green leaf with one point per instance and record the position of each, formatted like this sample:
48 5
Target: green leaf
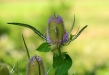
62 64
66 73
72 25
78 33
44 47
26 47
31 27
57 59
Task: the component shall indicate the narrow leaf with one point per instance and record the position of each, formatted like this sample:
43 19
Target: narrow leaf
26 47
78 33
31 27
14 69
44 47
72 25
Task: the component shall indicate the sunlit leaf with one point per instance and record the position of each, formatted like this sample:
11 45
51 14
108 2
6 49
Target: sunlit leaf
31 27
44 47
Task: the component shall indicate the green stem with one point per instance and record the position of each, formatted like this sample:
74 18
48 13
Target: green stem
59 51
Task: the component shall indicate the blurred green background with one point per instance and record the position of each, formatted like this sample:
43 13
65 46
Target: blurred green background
89 52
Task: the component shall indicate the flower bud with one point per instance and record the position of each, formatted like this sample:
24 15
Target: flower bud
35 66
4 69
56 33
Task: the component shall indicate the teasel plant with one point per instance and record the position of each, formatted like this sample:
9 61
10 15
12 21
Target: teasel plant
56 37
8 69
4 70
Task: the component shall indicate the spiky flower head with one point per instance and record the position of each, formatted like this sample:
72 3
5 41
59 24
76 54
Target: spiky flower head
4 69
35 66
56 32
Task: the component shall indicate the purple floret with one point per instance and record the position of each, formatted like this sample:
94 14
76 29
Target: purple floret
35 58
32 59
57 19
65 38
48 38
50 19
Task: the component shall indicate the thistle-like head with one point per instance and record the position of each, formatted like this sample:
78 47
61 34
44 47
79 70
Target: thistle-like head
4 69
56 33
35 66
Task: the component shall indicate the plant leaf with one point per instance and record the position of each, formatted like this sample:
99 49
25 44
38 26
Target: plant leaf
72 25
78 33
44 47
56 61
26 47
62 65
31 27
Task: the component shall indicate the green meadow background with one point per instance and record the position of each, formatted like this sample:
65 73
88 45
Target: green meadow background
89 52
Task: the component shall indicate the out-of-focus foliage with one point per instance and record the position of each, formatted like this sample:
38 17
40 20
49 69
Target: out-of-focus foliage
90 52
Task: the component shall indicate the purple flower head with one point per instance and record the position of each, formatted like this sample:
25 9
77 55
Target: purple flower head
35 66
56 33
